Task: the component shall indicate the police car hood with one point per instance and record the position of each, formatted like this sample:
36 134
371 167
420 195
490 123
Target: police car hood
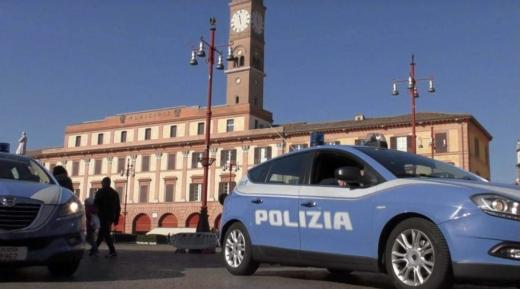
48 194
508 191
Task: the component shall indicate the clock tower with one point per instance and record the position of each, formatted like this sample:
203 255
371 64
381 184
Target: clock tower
245 74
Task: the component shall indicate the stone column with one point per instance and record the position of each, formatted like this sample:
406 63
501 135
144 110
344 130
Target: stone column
84 191
158 157
184 178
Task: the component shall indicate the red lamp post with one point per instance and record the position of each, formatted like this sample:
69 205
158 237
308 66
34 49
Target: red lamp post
207 161
412 90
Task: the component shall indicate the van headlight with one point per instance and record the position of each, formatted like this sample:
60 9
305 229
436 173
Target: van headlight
71 208
498 206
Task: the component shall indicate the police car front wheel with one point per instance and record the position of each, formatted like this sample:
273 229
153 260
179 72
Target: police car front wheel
238 252
417 256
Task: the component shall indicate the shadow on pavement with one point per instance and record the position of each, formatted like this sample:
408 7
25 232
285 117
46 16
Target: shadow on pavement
371 280
132 263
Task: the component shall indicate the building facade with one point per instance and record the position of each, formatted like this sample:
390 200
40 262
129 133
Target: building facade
163 147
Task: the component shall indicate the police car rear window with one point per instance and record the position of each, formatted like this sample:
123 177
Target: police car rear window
258 174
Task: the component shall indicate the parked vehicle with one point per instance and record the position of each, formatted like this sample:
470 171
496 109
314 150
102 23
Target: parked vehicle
422 221
41 223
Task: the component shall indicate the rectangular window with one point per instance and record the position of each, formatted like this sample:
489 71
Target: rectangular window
173 131
169 191
223 187
75 168
441 142
77 192
92 192
98 164
230 125
145 164
148 134
123 136
121 162
401 143
228 156
200 128
359 142
77 142
333 142
295 147
171 161
120 189
195 190
143 192
262 154
195 160
100 138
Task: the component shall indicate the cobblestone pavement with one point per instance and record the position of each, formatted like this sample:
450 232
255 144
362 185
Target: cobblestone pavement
159 267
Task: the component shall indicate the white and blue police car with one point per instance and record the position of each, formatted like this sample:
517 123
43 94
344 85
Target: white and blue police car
41 223
346 208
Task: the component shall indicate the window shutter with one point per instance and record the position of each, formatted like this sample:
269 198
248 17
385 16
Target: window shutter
257 155
409 143
234 156
194 160
268 152
223 160
441 142
393 142
171 161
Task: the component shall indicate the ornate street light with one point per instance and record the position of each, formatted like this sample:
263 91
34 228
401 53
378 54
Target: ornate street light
129 171
412 89
209 48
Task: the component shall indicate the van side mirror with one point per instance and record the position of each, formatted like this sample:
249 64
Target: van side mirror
348 174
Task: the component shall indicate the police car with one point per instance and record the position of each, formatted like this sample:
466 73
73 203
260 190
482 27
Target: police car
359 208
41 223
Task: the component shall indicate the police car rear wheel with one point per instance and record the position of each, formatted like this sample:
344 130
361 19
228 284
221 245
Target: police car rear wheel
237 251
417 256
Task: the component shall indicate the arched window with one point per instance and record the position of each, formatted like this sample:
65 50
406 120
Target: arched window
142 224
168 221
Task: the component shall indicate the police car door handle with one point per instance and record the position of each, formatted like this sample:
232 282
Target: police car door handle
309 204
257 201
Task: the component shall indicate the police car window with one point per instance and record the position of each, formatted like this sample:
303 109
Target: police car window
288 170
258 173
23 170
326 163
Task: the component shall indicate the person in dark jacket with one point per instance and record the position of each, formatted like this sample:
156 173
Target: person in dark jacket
108 209
61 175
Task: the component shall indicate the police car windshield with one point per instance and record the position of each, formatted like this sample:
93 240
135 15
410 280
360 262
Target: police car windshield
21 169
406 165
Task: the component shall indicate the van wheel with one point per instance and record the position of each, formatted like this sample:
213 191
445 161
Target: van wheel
417 256
237 251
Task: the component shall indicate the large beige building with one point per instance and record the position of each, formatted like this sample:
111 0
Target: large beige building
164 146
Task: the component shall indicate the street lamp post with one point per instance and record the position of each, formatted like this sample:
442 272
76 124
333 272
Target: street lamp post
129 171
203 224
412 89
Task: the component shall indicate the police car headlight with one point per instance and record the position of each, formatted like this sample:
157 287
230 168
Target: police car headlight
71 208
498 206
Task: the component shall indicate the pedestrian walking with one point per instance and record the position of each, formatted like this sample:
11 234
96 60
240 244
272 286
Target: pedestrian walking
92 224
61 175
109 209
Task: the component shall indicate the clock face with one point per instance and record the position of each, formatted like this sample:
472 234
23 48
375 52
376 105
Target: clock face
258 22
240 20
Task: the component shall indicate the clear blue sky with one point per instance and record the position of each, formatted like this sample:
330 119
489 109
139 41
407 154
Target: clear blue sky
64 62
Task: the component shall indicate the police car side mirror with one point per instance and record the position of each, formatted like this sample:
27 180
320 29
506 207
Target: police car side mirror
221 198
347 173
